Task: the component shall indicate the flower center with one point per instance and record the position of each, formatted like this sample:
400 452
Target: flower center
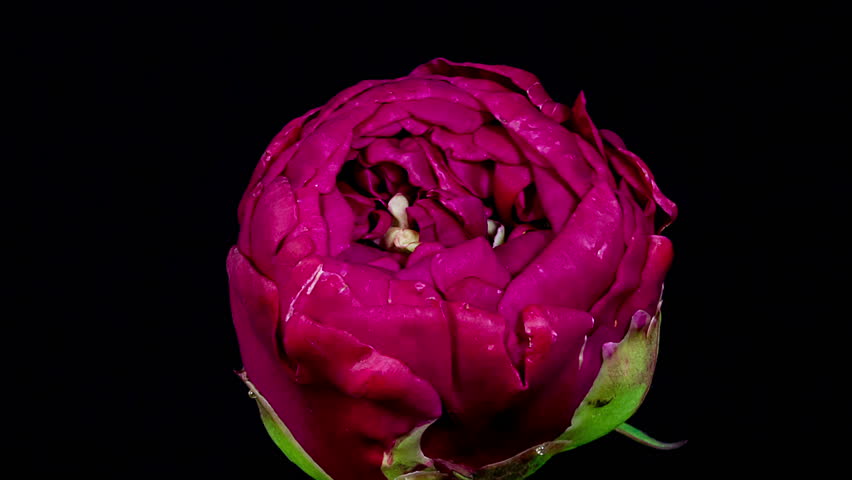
399 237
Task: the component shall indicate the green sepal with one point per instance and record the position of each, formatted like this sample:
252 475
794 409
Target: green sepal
406 456
621 385
282 436
639 436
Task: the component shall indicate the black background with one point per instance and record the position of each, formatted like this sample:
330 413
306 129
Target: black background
141 126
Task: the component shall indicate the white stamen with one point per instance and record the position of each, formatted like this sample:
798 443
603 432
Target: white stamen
396 207
399 237
497 231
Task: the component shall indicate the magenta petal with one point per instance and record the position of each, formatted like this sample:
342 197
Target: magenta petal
470 211
461 147
475 177
635 171
274 216
394 399
411 159
452 116
637 231
273 159
528 205
325 148
613 139
557 337
425 249
436 160
447 228
406 90
332 356
503 74
387 114
500 147
408 292
420 271
382 220
557 201
475 292
369 285
387 263
473 258
550 139
254 302
485 383
311 222
342 99
379 400
294 249
417 336
340 219
519 251
582 123
647 296
580 263
358 253
509 181
486 379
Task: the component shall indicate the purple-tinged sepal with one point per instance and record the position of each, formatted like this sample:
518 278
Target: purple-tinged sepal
621 384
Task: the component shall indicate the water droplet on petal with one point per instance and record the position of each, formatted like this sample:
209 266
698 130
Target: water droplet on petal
251 394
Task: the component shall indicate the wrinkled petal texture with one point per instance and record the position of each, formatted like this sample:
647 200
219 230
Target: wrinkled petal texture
494 337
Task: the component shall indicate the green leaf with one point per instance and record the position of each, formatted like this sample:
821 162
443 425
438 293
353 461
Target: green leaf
282 436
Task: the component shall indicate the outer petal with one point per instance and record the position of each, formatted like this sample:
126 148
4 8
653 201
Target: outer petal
485 384
358 401
635 171
521 80
274 216
552 360
270 158
340 219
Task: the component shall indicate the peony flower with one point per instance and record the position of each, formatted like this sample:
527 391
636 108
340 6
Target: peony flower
447 274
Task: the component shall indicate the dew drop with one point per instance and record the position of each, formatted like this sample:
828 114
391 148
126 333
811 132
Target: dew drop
539 450
251 394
